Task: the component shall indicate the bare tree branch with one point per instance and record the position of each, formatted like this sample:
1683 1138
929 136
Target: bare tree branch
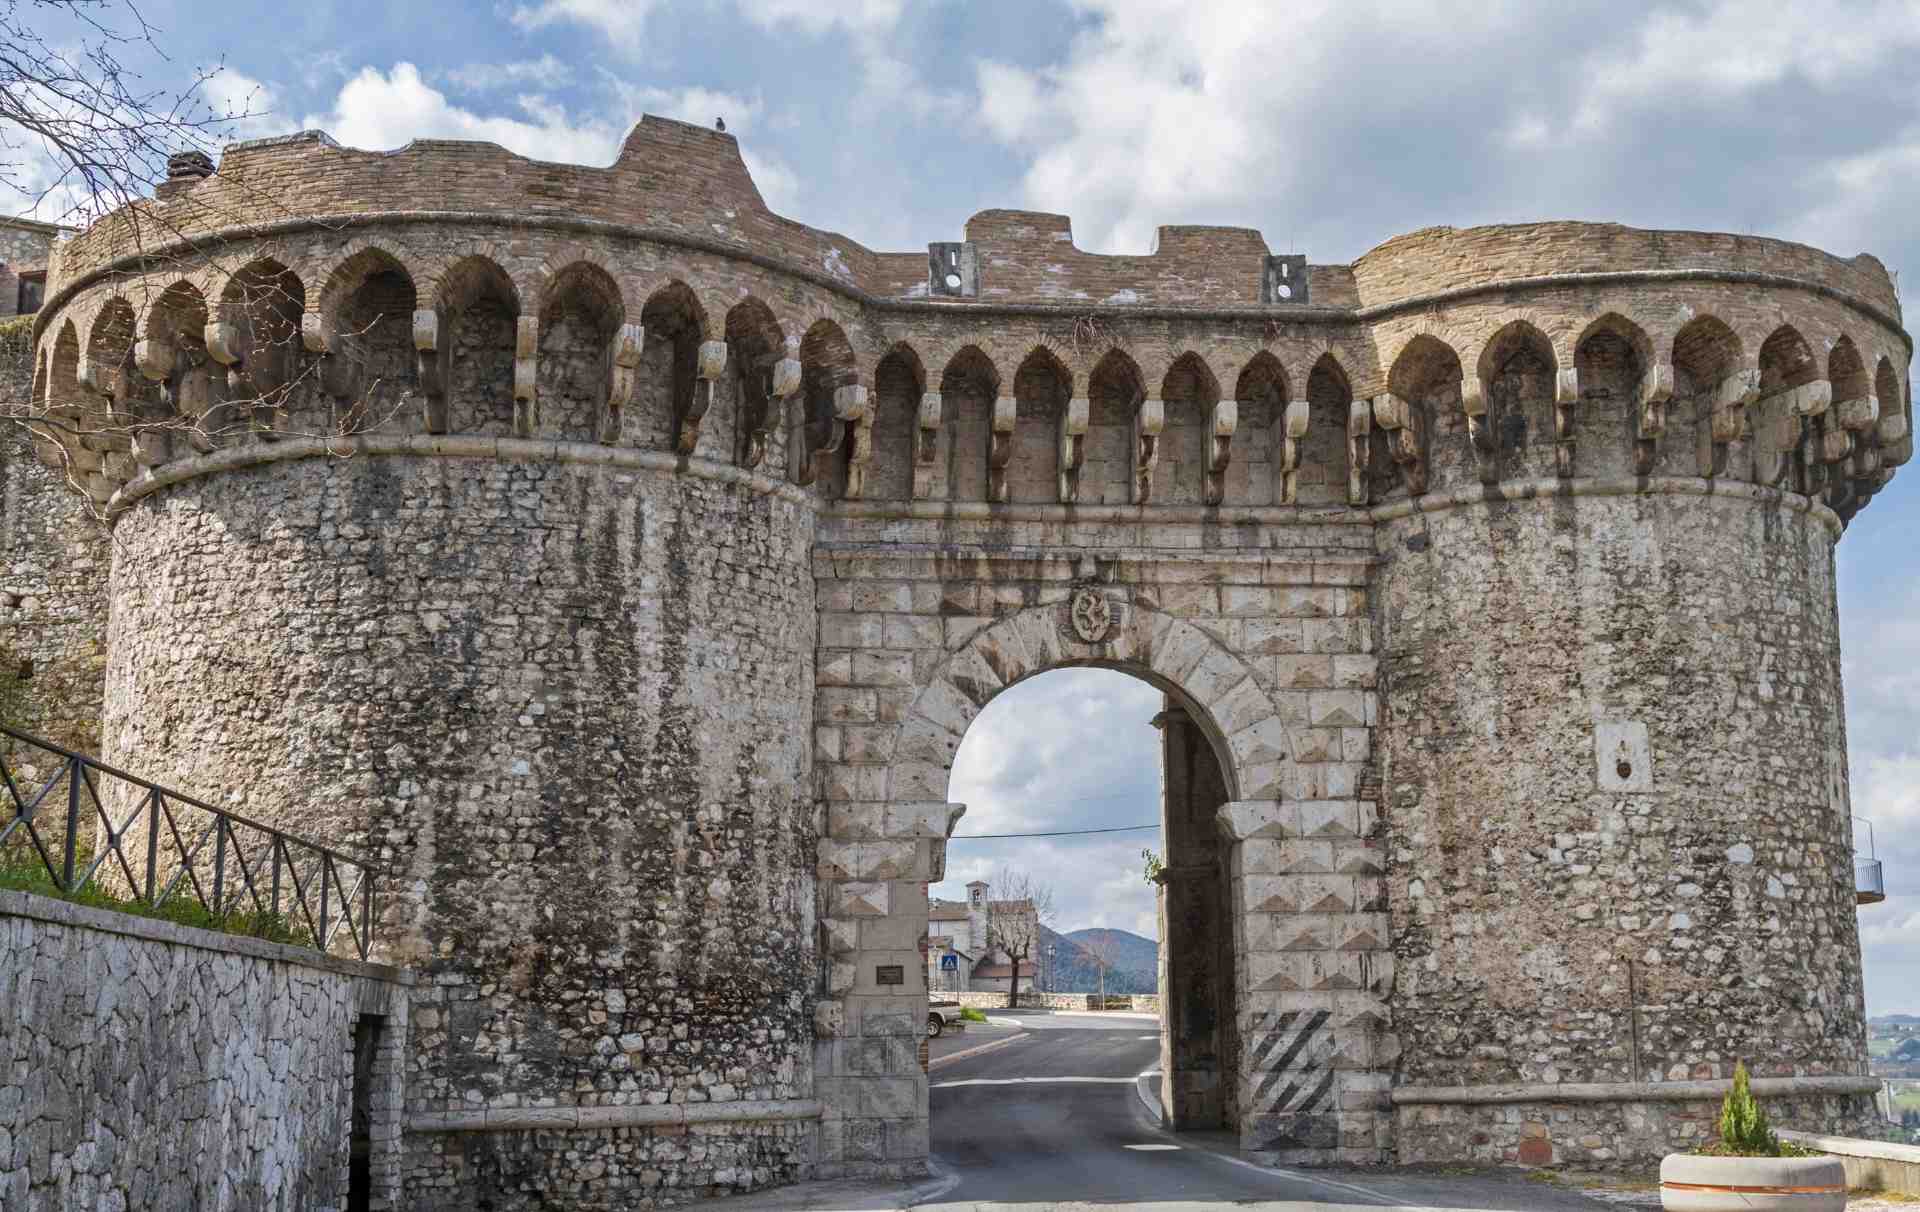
1015 920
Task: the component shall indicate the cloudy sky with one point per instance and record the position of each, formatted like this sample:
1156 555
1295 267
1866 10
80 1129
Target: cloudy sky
1331 130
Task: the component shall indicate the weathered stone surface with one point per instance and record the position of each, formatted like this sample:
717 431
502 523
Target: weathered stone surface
155 1066
636 616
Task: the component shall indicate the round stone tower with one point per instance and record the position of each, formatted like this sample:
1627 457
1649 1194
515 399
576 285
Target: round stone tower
620 564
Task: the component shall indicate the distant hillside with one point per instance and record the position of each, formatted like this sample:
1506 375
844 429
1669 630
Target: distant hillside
1135 962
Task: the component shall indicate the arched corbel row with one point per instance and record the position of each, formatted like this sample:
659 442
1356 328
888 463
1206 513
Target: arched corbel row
1731 398
1000 447
926 442
1149 422
1811 403
1566 397
1405 441
1475 392
430 367
853 407
1294 422
848 430
783 385
1220 427
1650 415
710 364
1778 440
526 375
1073 446
1359 449
623 372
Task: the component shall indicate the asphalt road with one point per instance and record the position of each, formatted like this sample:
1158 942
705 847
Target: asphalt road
1055 1118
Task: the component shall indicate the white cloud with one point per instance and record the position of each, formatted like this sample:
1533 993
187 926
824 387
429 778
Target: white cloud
622 21
1357 119
1072 749
858 16
383 110
545 72
692 104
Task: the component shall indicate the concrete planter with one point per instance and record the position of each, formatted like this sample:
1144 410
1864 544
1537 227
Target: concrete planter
1692 1183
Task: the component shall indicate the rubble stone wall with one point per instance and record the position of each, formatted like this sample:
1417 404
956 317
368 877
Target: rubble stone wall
158 1066
635 612
556 701
54 555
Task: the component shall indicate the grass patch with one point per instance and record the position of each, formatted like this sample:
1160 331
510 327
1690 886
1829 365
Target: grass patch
22 871
969 1015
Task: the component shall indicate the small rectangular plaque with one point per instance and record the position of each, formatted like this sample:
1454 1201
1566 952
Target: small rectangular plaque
890 974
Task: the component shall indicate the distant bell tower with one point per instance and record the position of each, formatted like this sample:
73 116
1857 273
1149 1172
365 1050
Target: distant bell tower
977 919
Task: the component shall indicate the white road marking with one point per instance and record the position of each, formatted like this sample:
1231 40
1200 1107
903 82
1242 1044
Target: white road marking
1146 1037
1153 1148
950 1057
1032 1081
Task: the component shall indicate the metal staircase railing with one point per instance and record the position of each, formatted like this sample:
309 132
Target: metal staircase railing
180 847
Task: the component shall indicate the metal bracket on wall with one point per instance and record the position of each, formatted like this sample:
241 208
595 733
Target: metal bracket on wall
1285 280
953 271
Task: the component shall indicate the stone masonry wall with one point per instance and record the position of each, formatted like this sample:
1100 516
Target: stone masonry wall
156 1066
1614 793
54 556
556 701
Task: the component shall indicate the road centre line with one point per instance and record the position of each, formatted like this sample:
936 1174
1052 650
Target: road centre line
964 1053
1032 1081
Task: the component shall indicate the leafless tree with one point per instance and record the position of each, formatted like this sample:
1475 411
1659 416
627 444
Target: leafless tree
85 137
1015 922
81 129
1102 947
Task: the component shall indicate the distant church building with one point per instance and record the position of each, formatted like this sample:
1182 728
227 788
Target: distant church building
963 930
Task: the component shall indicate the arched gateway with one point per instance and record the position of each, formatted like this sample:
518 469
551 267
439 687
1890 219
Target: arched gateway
1291 890
622 563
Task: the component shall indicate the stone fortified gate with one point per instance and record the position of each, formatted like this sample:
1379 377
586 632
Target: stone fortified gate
622 565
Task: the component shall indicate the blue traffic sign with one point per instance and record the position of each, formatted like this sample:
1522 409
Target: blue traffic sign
949 963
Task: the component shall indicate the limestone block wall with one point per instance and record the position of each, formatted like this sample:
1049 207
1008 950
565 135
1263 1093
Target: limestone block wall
157 1066
555 700
1271 653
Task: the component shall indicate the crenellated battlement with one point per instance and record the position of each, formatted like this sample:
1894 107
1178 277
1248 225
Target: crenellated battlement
1534 359
1489 579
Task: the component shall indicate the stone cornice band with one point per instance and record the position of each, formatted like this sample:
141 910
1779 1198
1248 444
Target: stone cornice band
141 262
522 450
1627 1092
512 450
595 1119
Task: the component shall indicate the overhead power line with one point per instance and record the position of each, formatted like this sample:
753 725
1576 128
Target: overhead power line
1054 833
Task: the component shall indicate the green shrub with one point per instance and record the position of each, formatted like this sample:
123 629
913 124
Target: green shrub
22 871
1744 1129
969 1015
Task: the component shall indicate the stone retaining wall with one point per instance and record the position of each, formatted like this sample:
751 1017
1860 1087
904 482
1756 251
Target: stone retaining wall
149 1065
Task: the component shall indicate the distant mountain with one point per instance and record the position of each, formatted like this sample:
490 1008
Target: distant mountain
1890 1020
1135 962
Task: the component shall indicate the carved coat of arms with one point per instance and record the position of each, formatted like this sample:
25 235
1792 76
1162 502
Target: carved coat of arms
1090 614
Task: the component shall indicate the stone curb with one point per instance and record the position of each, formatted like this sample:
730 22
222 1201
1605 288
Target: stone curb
66 913
587 1119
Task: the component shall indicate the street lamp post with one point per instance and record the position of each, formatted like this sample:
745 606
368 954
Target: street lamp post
1053 972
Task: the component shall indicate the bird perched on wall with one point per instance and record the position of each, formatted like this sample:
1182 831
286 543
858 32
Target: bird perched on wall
719 124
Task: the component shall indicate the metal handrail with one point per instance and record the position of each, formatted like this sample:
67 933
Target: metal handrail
320 898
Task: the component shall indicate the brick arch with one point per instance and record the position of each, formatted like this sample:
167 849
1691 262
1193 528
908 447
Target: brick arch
1227 700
